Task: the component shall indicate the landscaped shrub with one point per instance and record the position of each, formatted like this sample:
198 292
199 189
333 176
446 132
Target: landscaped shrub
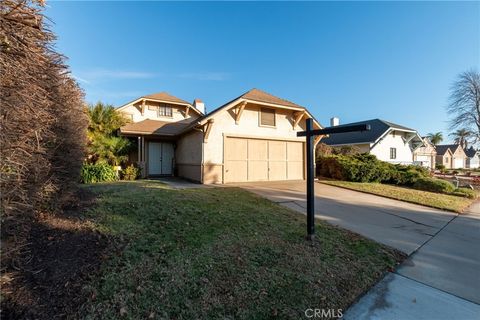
434 185
367 168
407 175
130 173
99 172
440 166
464 192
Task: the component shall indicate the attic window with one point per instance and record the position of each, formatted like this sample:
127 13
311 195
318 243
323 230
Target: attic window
165 111
267 117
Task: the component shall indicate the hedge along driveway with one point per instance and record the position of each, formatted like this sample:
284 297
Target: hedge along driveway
221 253
430 199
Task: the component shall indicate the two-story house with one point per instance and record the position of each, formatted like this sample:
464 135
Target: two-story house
251 138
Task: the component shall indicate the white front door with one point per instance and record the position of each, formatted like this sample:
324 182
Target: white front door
167 158
160 158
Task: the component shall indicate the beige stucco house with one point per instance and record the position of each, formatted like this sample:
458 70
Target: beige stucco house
251 138
452 156
426 154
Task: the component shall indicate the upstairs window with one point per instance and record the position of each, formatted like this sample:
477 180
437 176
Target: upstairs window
393 153
164 111
267 117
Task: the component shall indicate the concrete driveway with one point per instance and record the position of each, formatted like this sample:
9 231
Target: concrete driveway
441 277
401 225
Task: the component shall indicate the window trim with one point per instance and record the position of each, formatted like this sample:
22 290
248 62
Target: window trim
393 153
165 107
260 118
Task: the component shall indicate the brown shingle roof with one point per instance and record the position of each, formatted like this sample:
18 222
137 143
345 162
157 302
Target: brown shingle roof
154 127
165 96
262 96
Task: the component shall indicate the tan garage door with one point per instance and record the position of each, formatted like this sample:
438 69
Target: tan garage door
262 160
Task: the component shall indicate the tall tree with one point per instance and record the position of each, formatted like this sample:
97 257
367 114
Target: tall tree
461 136
103 144
464 103
435 138
104 119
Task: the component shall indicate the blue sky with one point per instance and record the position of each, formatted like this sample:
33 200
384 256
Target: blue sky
355 60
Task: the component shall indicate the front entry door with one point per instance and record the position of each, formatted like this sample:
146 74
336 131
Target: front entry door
160 158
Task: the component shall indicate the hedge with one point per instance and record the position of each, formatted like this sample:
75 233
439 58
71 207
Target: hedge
367 168
434 185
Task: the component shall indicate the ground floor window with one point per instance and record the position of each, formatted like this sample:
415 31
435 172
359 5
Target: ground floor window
393 153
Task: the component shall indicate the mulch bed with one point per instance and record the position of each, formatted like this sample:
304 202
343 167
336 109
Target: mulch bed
46 278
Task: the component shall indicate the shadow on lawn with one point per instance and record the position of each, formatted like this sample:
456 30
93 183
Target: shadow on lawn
46 279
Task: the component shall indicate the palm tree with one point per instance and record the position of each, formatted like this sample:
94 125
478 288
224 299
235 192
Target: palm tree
104 119
110 149
435 138
103 144
460 137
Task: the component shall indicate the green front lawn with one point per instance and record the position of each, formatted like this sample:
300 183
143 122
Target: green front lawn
430 199
220 253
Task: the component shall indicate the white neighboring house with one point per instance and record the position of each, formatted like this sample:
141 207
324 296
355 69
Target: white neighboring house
388 141
473 158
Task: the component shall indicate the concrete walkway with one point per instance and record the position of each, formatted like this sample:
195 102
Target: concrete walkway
441 277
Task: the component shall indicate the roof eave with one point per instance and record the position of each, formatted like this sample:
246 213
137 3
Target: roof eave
186 104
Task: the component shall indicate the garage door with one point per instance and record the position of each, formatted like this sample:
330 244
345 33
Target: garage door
262 160
425 160
458 163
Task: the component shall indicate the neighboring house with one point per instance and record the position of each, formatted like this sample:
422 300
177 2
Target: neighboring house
251 138
388 141
425 155
444 156
451 156
473 158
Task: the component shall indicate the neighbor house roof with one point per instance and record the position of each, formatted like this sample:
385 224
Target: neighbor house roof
154 127
378 128
470 152
442 148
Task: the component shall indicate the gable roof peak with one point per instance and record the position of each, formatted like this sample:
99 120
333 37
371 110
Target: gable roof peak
258 95
163 95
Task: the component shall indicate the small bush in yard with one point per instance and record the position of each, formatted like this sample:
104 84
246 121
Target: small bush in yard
130 173
464 192
407 175
434 185
99 172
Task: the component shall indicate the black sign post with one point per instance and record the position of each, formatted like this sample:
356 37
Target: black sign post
310 134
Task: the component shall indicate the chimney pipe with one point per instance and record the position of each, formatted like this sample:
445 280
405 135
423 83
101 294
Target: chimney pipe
335 121
199 105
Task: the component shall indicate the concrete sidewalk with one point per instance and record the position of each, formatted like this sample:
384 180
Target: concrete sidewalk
440 279
397 297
